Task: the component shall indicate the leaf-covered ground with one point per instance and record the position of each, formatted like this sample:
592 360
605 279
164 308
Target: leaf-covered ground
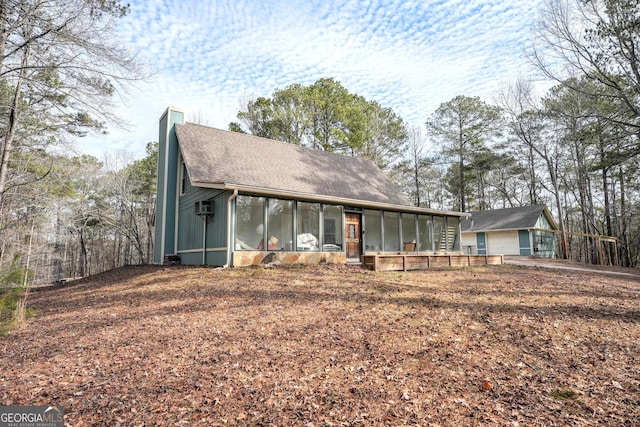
331 345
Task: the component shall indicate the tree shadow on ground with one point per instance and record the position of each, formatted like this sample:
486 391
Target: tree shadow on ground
113 300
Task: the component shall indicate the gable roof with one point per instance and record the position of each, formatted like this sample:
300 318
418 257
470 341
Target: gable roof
521 218
217 158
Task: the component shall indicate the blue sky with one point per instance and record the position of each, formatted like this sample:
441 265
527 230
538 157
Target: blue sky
210 57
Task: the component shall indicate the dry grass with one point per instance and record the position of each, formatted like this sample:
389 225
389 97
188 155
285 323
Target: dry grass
332 345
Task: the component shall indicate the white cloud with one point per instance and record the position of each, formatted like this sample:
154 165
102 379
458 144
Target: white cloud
408 55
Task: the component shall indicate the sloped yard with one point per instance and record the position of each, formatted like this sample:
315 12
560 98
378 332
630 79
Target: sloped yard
331 345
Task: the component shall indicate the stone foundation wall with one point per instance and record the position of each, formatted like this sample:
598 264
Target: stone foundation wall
248 258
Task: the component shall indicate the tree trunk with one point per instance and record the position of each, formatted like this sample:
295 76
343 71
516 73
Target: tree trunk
416 179
83 255
4 30
533 190
462 189
625 256
7 146
553 175
151 208
607 203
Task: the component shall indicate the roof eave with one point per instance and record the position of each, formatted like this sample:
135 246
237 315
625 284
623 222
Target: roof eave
327 199
487 230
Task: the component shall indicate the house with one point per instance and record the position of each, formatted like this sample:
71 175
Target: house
527 230
231 199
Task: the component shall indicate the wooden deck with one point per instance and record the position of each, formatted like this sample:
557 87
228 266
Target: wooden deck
405 262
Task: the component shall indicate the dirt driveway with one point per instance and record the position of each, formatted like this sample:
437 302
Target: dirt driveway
571 265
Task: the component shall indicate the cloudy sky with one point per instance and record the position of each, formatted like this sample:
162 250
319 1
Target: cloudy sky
211 56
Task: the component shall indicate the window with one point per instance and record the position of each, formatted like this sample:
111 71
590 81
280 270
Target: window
332 222
425 233
249 222
373 231
184 178
308 223
391 231
409 232
279 225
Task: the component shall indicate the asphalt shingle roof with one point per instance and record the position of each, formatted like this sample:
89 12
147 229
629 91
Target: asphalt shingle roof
216 157
504 219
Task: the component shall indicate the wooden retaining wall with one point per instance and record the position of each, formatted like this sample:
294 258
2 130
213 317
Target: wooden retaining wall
404 262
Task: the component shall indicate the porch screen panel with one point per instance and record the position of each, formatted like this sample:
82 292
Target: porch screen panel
249 222
439 234
409 242
373 231
425 233
279 225
391 231
332 227
308 223
453 234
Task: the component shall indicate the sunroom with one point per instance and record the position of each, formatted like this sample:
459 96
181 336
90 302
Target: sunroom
318 227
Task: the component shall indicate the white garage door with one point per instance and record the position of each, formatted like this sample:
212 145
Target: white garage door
503 243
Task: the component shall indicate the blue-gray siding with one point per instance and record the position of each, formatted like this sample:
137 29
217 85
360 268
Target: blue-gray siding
167 182
191 227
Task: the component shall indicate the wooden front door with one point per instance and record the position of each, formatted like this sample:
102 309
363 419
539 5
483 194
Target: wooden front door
352 234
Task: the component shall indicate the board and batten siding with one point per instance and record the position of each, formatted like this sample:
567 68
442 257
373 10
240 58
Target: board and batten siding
544 243
191 227
543 222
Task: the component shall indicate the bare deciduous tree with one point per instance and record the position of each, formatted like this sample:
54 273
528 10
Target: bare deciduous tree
598 40
60 65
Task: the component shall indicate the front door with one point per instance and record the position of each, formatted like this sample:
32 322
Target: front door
352 233
525 243
481 240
